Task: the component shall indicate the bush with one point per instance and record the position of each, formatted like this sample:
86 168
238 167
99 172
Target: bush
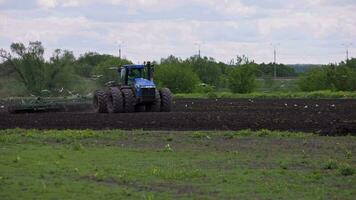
330 164
346 170
178 78
203 88
333 77
313 80
341 78
212 95
242 79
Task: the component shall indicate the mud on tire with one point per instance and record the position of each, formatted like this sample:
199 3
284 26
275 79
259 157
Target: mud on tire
129 101
166 100
100 101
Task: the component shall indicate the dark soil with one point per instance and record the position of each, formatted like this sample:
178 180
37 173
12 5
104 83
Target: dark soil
328 117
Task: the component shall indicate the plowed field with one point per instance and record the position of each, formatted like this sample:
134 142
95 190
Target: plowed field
320 116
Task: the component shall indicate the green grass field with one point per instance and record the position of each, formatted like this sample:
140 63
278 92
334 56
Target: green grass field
175 165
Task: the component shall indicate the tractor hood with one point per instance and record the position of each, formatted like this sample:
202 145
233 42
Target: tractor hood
143 83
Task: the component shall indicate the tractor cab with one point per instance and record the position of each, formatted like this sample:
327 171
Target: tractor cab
139 77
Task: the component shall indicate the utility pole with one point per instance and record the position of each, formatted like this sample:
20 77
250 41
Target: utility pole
120 51
347 46
275 59
199 45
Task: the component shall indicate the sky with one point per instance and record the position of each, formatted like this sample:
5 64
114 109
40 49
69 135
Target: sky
301 31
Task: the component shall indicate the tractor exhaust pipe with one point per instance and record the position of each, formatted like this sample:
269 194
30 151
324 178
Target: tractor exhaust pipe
149 71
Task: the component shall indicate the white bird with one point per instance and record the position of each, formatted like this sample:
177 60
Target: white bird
316 105
285 105
306 106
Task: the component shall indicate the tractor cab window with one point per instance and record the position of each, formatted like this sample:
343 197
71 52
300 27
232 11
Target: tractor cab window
134 73
122 73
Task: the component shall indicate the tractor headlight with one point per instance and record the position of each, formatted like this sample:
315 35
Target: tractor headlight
148 86
145 86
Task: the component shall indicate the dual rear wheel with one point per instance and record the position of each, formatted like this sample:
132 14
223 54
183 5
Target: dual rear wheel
115 100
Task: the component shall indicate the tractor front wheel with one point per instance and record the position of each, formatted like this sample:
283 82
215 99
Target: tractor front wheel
129 100
100 101
166 100
156 105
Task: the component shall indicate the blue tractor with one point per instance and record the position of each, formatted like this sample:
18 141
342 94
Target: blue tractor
135 92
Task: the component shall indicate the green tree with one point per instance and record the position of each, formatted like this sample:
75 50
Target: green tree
107 70
242 79
351 63
207 69
281 69
60 70
313 79
32 69
332 77
341 77
177 77
86 63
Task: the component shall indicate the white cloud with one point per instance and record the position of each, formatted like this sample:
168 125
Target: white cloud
49 29
230 7
320 24
47 3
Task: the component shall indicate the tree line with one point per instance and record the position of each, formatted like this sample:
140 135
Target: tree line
194 74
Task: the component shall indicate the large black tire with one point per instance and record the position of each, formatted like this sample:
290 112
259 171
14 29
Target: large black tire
129 100
109 102
156 105
117 100
100 101
166 100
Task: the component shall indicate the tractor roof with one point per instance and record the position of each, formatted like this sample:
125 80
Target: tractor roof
134 66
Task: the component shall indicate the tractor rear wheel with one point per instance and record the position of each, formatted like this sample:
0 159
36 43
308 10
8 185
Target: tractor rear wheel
100 101
129 100
156 105
166 100
109 102
117 100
